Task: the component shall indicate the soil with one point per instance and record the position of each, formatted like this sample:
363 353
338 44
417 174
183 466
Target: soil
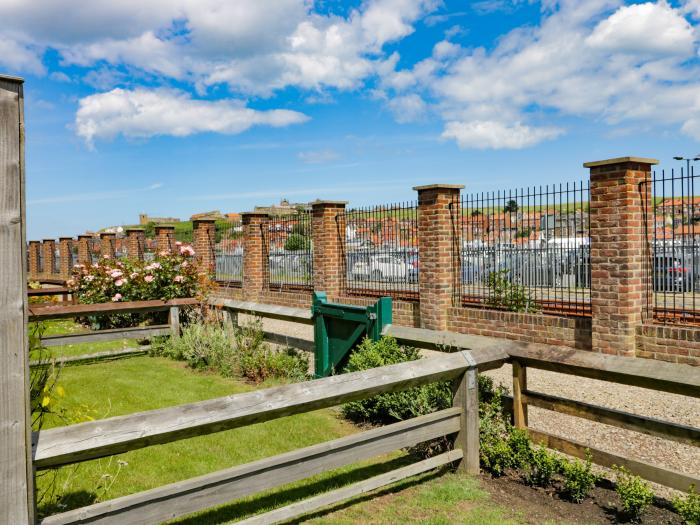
533 505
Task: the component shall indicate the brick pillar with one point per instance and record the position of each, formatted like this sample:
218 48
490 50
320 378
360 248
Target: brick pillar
84 249
135 243
204 240
48 250
328 239
65 247
108 243
255 253
34 247
620 191
165 239
438 248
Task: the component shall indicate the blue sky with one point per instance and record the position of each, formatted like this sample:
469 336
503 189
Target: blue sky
173 107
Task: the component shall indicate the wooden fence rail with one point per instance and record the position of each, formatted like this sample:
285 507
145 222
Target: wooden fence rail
81 442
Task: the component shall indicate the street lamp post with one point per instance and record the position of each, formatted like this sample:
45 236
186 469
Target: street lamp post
688 160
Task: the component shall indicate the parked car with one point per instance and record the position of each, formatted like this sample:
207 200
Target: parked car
413 268
671 274
380 268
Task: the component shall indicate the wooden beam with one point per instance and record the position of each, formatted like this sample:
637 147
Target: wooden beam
488 352
609 416
647 373
356 489
43 313
466 400
655 473
109 355
16 475
40 292
174 321
195 494
289 341
519 402
95 439
283 313
136 332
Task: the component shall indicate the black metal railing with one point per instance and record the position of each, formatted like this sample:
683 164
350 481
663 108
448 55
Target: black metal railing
381 251
229 254
674 268
526 250
290 256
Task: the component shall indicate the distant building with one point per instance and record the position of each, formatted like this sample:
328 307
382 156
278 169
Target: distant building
145 219
283 208
214 214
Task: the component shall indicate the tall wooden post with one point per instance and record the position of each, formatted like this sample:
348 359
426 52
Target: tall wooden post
466 397
16 475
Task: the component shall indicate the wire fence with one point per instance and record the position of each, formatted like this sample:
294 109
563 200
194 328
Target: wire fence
381 251
526 250
290 256
229 254
675 248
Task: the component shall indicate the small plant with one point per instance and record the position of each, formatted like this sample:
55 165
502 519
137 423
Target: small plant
579 478
688 507
495 452
635 494
396 406
507 295
542 467
203 346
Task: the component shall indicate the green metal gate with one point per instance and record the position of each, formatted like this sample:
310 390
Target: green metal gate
338 328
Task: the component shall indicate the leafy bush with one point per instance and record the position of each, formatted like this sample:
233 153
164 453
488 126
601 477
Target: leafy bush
688 507
297 241
258 362
495 452
168 276
507 295
207 345
579 478
542 467
635 494
395 406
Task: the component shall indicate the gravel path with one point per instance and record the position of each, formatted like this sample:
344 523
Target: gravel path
660 405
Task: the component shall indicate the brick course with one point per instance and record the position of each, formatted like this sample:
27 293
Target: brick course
108 245
135 242
34 248
255 253
65 247
165 239
48 247
328 234
84 249
204 240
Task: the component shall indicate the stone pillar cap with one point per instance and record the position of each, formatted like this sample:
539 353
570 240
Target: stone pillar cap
439 187
336 203
207 219
104 234
66 238
49 240
619 160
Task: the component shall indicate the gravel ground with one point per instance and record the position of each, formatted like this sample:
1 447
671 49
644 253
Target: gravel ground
660 405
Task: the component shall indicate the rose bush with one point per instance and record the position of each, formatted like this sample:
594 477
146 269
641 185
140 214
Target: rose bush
167 276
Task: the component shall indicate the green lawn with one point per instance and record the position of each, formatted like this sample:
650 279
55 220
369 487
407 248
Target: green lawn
144 383
65 326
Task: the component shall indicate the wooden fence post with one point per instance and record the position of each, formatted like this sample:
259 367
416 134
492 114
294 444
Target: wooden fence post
519 404
174 321
17 504
230 322
466 396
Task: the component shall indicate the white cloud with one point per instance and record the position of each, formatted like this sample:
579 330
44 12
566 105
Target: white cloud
318 156
408 108
481 134
143 113
644 28
253 46
20 57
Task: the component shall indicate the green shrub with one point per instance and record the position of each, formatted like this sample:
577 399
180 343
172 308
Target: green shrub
521 447
395 406
542 467
495 452
203 346
579 478
635 494
507 295
688 507
258 362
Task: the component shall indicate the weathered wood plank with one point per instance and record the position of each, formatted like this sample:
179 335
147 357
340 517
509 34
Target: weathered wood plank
271 311
185 497
40 292
289 341
519 402
618 418
356 489
71 444
16 476
466 400
174 321
648 373
43 313
137 332
488 352
655 473
109 355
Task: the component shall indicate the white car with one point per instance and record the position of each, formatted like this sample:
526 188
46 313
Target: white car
381 268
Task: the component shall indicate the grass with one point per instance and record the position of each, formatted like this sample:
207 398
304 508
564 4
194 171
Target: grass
144 383
66 326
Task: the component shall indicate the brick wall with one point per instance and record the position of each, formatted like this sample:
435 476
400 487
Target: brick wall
676 344
65 247
165 239
204 241
135 242
108 245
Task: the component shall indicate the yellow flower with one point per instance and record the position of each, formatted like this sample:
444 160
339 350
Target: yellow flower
60 391
45 401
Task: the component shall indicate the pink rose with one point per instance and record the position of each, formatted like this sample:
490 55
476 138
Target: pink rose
178 279
116 274
148 278
117 297
178 243
119 282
